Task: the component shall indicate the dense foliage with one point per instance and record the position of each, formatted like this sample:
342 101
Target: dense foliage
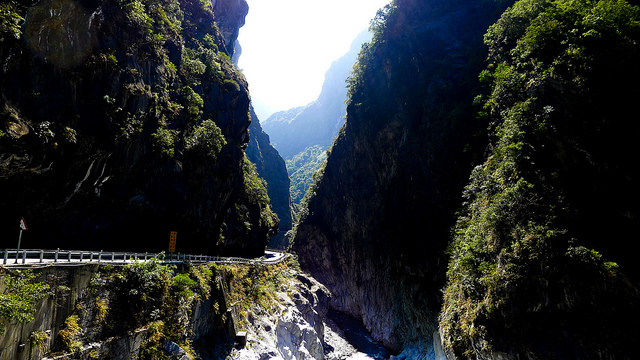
10 20
21 291
255 192
301 169
526 273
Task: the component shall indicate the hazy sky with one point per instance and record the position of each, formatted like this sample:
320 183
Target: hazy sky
288 45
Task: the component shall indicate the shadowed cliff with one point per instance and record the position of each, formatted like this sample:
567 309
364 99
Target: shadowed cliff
272 169
124 120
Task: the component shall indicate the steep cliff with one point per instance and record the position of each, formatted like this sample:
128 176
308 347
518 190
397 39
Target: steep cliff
122 120
378 225
544 235
273 170
156 311
536 263
145 310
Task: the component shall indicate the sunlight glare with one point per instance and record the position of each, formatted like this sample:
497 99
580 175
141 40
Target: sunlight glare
288 45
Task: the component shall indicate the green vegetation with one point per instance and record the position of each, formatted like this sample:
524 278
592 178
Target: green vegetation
10 20
21 292
39 339
254 206
162 83
102 307
192 102
206 140
70 334
254 185
301 169
518 255
164 139
146 295
160 299
254 287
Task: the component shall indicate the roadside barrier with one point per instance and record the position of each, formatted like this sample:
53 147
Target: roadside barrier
38 256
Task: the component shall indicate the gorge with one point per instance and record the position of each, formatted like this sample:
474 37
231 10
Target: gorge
479 201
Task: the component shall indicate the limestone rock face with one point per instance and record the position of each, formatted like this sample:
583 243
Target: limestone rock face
104 312
296 330
123 121
297 339
230 16
378 226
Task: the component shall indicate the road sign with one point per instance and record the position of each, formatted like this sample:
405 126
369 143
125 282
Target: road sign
172 241
23 226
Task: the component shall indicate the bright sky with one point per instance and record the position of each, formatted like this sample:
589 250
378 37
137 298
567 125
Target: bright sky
288 45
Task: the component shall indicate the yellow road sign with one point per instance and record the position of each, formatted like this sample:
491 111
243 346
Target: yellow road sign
172 241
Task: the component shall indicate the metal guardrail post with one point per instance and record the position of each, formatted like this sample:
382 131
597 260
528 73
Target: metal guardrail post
6 255
69 256
24 256
41 256
100 256
55 258
113 256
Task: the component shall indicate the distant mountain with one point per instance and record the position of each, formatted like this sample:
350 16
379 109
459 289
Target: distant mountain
301 169
295 131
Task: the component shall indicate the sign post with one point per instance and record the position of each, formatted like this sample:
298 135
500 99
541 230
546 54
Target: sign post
23 226
172 241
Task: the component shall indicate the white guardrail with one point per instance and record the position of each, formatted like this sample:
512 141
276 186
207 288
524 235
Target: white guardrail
33 257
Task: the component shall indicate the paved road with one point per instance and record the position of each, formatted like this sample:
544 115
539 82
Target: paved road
31 258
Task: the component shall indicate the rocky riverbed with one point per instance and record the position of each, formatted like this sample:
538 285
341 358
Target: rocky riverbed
303 327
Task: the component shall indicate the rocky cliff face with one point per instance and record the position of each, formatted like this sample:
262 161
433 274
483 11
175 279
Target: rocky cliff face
138 311
153 311
272 169
538 262
378 225
124 120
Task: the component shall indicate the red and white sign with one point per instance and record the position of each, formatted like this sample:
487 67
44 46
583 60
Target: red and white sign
23 224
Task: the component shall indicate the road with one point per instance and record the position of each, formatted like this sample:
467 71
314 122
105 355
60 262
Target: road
41 257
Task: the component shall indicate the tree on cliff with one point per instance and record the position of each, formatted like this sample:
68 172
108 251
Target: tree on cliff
10 20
